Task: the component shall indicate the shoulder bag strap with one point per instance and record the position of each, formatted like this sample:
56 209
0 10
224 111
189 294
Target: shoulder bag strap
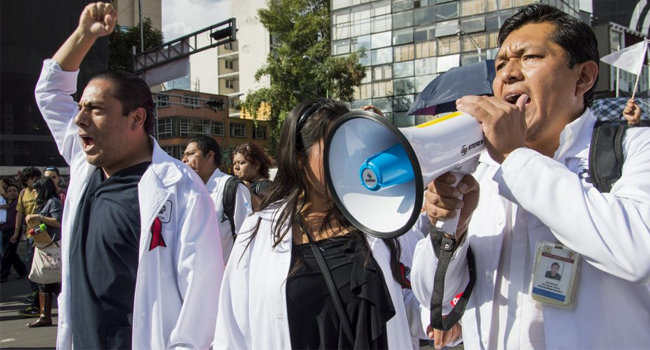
334 293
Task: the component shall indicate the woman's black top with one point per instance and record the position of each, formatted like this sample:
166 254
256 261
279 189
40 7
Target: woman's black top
313 321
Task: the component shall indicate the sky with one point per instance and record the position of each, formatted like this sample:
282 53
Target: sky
181 17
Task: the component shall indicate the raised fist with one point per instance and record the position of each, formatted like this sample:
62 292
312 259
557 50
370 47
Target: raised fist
98 19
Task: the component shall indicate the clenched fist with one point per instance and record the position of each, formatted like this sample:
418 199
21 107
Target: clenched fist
98 19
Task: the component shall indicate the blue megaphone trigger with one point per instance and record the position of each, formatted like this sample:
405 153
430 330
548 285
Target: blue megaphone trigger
387 168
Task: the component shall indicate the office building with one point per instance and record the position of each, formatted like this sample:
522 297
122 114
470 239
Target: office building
407 43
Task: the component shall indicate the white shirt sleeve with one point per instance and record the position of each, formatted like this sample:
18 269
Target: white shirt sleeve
611 230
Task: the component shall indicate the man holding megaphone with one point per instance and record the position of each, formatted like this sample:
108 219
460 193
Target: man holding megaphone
537 206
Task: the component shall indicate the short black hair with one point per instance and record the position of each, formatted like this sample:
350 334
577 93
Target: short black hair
27 173
555 264
133 92
54 169
574 36
207 144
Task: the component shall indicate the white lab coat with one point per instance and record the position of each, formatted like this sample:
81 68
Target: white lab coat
610 230
171 304
215 186
253 302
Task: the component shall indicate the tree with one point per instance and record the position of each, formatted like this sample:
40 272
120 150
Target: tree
123 39
300 66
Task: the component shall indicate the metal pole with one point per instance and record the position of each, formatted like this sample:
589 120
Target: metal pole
461 34
141 29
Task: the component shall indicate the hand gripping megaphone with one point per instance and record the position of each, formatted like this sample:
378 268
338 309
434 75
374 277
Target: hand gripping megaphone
376 172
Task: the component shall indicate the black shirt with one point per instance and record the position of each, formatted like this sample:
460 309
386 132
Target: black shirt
104 260
313 321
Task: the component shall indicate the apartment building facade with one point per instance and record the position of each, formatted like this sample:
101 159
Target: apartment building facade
183 114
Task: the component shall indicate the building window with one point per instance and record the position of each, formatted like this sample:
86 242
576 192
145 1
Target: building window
165 128
402 36
447 28
259 132
341 47
174 151
446 11
424 16
425 49
230 83
381 23
228 64
190 127
404 86
425 66
237 130
191 102
403 69
403 19
382 73
382 56
364 91
448 45
217 128
162 101
404 53
382 88
380 40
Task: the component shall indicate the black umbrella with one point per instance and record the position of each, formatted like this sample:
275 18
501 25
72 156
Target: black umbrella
443 91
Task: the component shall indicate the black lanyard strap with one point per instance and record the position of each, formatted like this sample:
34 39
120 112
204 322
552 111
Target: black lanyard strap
444 248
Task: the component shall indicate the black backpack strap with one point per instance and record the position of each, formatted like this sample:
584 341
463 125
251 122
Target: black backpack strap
444 249
606 154
229 200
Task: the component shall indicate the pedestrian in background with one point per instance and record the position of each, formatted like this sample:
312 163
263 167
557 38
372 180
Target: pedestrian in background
251 164
9 256
48 211
53 173
203 155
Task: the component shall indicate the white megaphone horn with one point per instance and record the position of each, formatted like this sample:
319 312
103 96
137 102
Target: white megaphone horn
376 172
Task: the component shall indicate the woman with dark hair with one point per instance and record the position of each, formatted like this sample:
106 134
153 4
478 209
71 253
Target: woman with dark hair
48 212
301 276
251 164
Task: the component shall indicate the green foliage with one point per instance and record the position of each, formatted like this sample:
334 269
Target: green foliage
300 66
123 39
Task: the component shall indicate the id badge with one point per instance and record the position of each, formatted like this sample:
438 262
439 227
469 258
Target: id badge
555 275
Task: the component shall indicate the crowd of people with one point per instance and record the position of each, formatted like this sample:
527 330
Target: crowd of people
159 253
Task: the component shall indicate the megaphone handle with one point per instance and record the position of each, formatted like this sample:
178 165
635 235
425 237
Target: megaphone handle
450 225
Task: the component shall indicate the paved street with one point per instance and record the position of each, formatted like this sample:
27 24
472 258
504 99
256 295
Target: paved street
13 332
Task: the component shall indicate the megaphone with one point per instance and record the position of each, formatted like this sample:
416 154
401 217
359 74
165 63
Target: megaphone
376 172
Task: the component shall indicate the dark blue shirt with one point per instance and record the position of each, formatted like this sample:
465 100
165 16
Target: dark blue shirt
104 260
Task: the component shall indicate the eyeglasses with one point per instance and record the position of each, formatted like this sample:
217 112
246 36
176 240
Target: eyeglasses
302 120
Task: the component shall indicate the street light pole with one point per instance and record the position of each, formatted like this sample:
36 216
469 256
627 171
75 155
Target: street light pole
141 29
462 33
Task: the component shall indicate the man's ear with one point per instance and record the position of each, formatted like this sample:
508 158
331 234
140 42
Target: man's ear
587 74
137 118
210 156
